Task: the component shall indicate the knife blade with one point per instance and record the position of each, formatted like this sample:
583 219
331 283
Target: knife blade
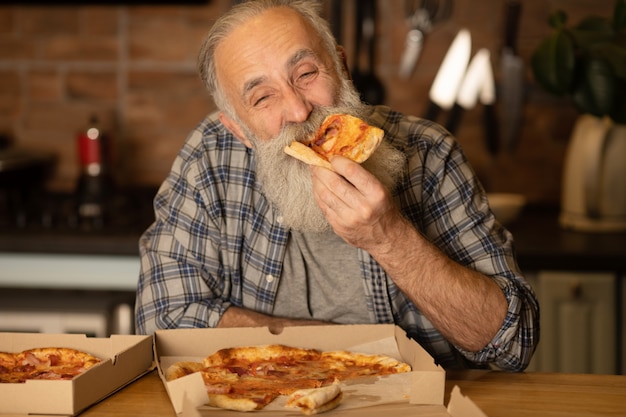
478 85
443 91
470 88
490 118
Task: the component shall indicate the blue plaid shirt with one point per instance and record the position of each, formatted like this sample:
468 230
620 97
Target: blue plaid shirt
217 241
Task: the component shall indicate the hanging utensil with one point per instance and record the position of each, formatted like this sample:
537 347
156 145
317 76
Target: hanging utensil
421 20
367 83
512 78
470 88
444 89
490 118
478 85
355 71
421 25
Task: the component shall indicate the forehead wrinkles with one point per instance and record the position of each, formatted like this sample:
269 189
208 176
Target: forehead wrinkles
247 47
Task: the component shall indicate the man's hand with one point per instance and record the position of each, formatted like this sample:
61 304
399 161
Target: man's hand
467 307
358 207
241 317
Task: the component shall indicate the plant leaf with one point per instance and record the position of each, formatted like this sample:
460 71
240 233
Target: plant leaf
557 19
614 54
553 63
619 16
598 31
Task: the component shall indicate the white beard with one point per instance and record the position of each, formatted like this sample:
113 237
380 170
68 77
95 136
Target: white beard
286 181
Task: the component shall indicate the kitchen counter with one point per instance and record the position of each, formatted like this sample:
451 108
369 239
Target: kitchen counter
51 225
540 242
498 394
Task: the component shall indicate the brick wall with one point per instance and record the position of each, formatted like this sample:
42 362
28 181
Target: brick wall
135 68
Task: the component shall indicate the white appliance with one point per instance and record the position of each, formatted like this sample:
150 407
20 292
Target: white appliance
594 182
68 293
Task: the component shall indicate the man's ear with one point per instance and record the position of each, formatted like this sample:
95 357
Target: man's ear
344 61
234 128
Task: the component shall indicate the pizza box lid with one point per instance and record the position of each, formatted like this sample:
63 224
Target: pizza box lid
125 358
400 394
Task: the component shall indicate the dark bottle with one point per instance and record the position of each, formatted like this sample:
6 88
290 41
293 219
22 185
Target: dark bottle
95 183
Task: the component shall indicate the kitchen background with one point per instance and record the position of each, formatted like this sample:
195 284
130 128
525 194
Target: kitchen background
134 68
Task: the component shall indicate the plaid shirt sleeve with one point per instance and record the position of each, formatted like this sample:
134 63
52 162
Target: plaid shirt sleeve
444 200
215 241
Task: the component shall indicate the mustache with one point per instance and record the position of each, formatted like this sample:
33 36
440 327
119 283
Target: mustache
304 131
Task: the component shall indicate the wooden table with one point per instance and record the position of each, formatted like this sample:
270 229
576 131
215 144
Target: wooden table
498 394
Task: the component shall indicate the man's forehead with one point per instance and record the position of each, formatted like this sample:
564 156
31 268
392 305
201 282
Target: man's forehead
258 41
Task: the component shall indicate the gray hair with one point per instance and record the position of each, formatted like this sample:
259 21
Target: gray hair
309 9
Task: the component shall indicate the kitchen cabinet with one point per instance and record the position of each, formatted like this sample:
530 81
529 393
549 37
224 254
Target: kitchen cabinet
579 281
578 322
60 275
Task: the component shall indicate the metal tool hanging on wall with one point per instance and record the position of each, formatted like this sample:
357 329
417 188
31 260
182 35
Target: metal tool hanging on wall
421 17
460 84
370 87
512 78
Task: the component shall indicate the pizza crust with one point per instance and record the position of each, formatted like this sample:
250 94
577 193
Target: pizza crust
383 361
181 369
316 400
236 404
307 155
259 353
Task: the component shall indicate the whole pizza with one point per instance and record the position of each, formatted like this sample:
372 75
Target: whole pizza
249 378
50 363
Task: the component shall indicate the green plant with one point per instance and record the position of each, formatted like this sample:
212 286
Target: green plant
586 62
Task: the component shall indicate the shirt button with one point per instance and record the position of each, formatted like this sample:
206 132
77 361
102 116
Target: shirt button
280 219
269 278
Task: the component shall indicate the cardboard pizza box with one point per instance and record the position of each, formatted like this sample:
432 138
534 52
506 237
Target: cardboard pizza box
398 394
125 358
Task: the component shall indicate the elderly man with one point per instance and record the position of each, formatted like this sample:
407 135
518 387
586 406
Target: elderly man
248 236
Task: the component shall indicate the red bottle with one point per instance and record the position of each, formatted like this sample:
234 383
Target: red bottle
94 184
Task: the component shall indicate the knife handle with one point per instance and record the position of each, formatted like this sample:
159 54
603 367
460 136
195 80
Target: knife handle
432 111
490 123
454 118
513 9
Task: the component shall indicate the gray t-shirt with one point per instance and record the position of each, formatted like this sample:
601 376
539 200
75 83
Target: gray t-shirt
321 280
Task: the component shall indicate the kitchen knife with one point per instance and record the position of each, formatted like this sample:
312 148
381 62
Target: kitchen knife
470 88
490 118
443 91
478 84
512 78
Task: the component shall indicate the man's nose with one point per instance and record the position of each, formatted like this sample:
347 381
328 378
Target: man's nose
297 107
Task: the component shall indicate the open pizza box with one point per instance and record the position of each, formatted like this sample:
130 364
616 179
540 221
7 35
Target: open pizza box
125 358
419 392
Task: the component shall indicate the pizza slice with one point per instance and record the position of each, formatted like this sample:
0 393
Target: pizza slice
55 363
50 363
316 400
339 134
250 377
8 363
